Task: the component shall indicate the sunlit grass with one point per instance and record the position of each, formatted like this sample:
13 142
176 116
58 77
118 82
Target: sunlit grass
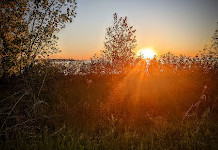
160 106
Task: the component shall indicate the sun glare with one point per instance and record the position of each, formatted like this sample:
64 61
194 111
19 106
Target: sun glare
146 53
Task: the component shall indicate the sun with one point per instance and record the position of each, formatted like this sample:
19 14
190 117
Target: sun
146 53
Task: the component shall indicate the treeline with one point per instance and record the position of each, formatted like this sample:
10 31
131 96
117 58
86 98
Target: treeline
168 63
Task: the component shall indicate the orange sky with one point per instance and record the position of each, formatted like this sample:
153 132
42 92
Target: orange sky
181 27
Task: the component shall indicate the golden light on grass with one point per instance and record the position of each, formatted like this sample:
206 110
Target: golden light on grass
146 53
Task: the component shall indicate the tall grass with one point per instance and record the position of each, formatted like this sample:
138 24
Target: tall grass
168 102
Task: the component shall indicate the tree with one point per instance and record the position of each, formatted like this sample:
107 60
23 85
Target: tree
13 34
29 30
119 43
215 41
45 19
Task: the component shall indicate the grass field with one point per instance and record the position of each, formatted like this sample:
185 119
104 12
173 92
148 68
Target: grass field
131 110
132 94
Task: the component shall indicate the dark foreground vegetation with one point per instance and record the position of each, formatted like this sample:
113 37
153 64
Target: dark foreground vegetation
117 101
168 103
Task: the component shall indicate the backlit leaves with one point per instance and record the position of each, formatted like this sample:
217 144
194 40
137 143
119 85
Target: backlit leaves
119 42
29 28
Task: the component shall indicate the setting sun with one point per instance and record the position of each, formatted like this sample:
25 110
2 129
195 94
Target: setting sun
146 53
125 74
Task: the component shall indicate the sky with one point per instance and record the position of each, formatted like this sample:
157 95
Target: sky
178 26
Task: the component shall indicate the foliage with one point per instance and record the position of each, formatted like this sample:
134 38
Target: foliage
139 109
214 45
155 104
26 109
14 35
29 30
45 18
119 43
116 112
170 136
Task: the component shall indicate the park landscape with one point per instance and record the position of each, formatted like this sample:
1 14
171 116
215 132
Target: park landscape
118 99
